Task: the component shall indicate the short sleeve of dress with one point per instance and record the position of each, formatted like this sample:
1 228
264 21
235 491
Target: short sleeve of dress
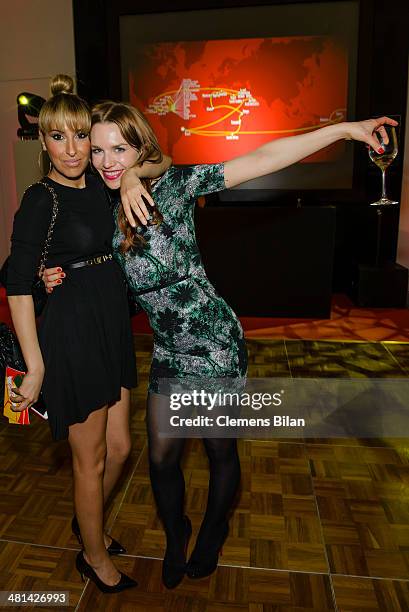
30 229
204 178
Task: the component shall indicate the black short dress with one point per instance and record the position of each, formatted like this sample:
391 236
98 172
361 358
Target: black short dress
85 332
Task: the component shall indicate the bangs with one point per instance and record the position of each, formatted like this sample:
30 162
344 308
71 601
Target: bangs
65 111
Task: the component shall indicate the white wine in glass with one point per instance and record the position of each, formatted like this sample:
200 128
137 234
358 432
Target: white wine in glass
383 161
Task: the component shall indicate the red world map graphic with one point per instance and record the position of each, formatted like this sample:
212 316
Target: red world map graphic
209 101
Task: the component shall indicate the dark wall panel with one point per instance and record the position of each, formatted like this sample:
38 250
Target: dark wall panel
269 261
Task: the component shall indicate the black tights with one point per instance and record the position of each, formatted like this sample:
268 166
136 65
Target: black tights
168 483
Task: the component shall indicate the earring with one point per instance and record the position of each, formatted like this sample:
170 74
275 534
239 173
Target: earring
41 159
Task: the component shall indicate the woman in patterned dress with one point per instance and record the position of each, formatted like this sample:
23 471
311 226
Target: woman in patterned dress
196 334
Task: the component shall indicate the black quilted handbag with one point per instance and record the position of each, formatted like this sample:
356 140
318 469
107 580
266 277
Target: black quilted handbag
10 355
38 290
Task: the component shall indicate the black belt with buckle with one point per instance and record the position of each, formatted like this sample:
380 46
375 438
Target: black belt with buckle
93 261
175 281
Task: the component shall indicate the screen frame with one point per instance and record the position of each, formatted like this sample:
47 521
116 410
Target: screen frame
371 98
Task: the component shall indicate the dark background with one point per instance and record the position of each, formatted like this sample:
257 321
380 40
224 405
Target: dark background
381 90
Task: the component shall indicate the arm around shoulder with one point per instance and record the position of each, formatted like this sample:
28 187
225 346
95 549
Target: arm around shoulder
153 170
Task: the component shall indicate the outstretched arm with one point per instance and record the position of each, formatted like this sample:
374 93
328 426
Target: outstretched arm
132 189
283 152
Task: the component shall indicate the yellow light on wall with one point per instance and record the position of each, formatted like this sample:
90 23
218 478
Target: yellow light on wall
28 105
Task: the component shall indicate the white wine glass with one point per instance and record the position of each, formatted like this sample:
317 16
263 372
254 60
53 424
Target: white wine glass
384 160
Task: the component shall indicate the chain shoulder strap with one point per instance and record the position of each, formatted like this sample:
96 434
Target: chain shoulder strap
44 253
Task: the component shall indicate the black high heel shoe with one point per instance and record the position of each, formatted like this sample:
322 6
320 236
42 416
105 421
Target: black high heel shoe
85 569
115 548
172 573
201 565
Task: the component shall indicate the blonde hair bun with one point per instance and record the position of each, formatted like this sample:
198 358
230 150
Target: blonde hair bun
62 83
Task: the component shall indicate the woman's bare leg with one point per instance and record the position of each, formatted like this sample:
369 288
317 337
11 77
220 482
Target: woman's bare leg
118 440
88 445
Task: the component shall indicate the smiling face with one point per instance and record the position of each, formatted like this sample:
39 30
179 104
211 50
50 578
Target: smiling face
69 153
111 154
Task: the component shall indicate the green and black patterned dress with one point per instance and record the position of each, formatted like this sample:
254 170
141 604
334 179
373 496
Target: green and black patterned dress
196 334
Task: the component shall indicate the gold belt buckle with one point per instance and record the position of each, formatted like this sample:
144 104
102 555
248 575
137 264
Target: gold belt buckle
99 260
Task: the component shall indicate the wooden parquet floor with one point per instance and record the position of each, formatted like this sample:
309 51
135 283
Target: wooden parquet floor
321 524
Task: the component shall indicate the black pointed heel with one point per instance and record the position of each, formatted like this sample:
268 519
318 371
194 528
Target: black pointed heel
173 573
115 548
85 569
201 565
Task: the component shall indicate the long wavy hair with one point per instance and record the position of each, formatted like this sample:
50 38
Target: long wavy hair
137 132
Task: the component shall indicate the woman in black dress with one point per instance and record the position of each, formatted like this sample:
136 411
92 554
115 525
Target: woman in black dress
83 357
